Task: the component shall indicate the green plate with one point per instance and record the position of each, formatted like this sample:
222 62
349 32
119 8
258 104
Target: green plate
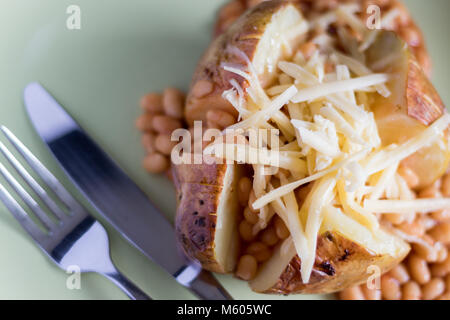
123 50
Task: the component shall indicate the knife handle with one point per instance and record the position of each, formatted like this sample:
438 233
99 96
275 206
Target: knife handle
206 287
128 287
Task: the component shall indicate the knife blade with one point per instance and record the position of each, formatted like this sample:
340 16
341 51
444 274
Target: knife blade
114 195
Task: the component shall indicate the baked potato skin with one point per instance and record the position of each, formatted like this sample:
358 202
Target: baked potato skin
198 189
423 101
406 27
243 35
340 263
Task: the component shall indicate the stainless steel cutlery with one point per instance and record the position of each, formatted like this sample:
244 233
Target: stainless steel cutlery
115 196
69 235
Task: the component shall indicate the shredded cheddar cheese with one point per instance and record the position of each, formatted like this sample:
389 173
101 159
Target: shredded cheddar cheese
328 136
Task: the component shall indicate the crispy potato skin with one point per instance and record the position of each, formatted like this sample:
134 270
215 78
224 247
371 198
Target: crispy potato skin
244 35
198 189
340 263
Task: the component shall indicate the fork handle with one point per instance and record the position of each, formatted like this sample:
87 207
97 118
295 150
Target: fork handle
128 287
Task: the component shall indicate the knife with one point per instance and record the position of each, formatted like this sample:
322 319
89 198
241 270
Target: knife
115 196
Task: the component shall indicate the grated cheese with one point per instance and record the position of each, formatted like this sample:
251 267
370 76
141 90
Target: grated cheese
319 197
391 155
281 191
328 135
326 89
407 206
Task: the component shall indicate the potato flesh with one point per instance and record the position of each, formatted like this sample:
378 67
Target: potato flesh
226 234
273 41
405 113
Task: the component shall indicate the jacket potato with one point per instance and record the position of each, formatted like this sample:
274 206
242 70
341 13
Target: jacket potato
404 24
346 244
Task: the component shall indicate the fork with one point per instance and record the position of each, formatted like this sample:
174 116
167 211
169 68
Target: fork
73 239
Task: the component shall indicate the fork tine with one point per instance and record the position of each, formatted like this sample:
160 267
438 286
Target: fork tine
29 201
32 183
21 216
43 172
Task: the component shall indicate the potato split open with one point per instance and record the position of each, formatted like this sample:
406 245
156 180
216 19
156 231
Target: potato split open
348 115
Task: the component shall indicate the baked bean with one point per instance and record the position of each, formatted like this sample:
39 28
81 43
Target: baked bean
441 215
430 192
394 218
390 288
418 269
173 103
441 269
165 124
447 283
324 5
219 119
156 163
164 144
275 182
246 230
400 273
260 251
247 267
231 9
442 254
244 187
280 228
380 3
352 293
445 296
308 49
251 217
329 67
441 233
145 122
403 19
371 294
446 185
302 193
414 228
426 221
148 142
433 289
269 236
251 199
411 36
426 252
152 103
202 88
411 291
409 176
